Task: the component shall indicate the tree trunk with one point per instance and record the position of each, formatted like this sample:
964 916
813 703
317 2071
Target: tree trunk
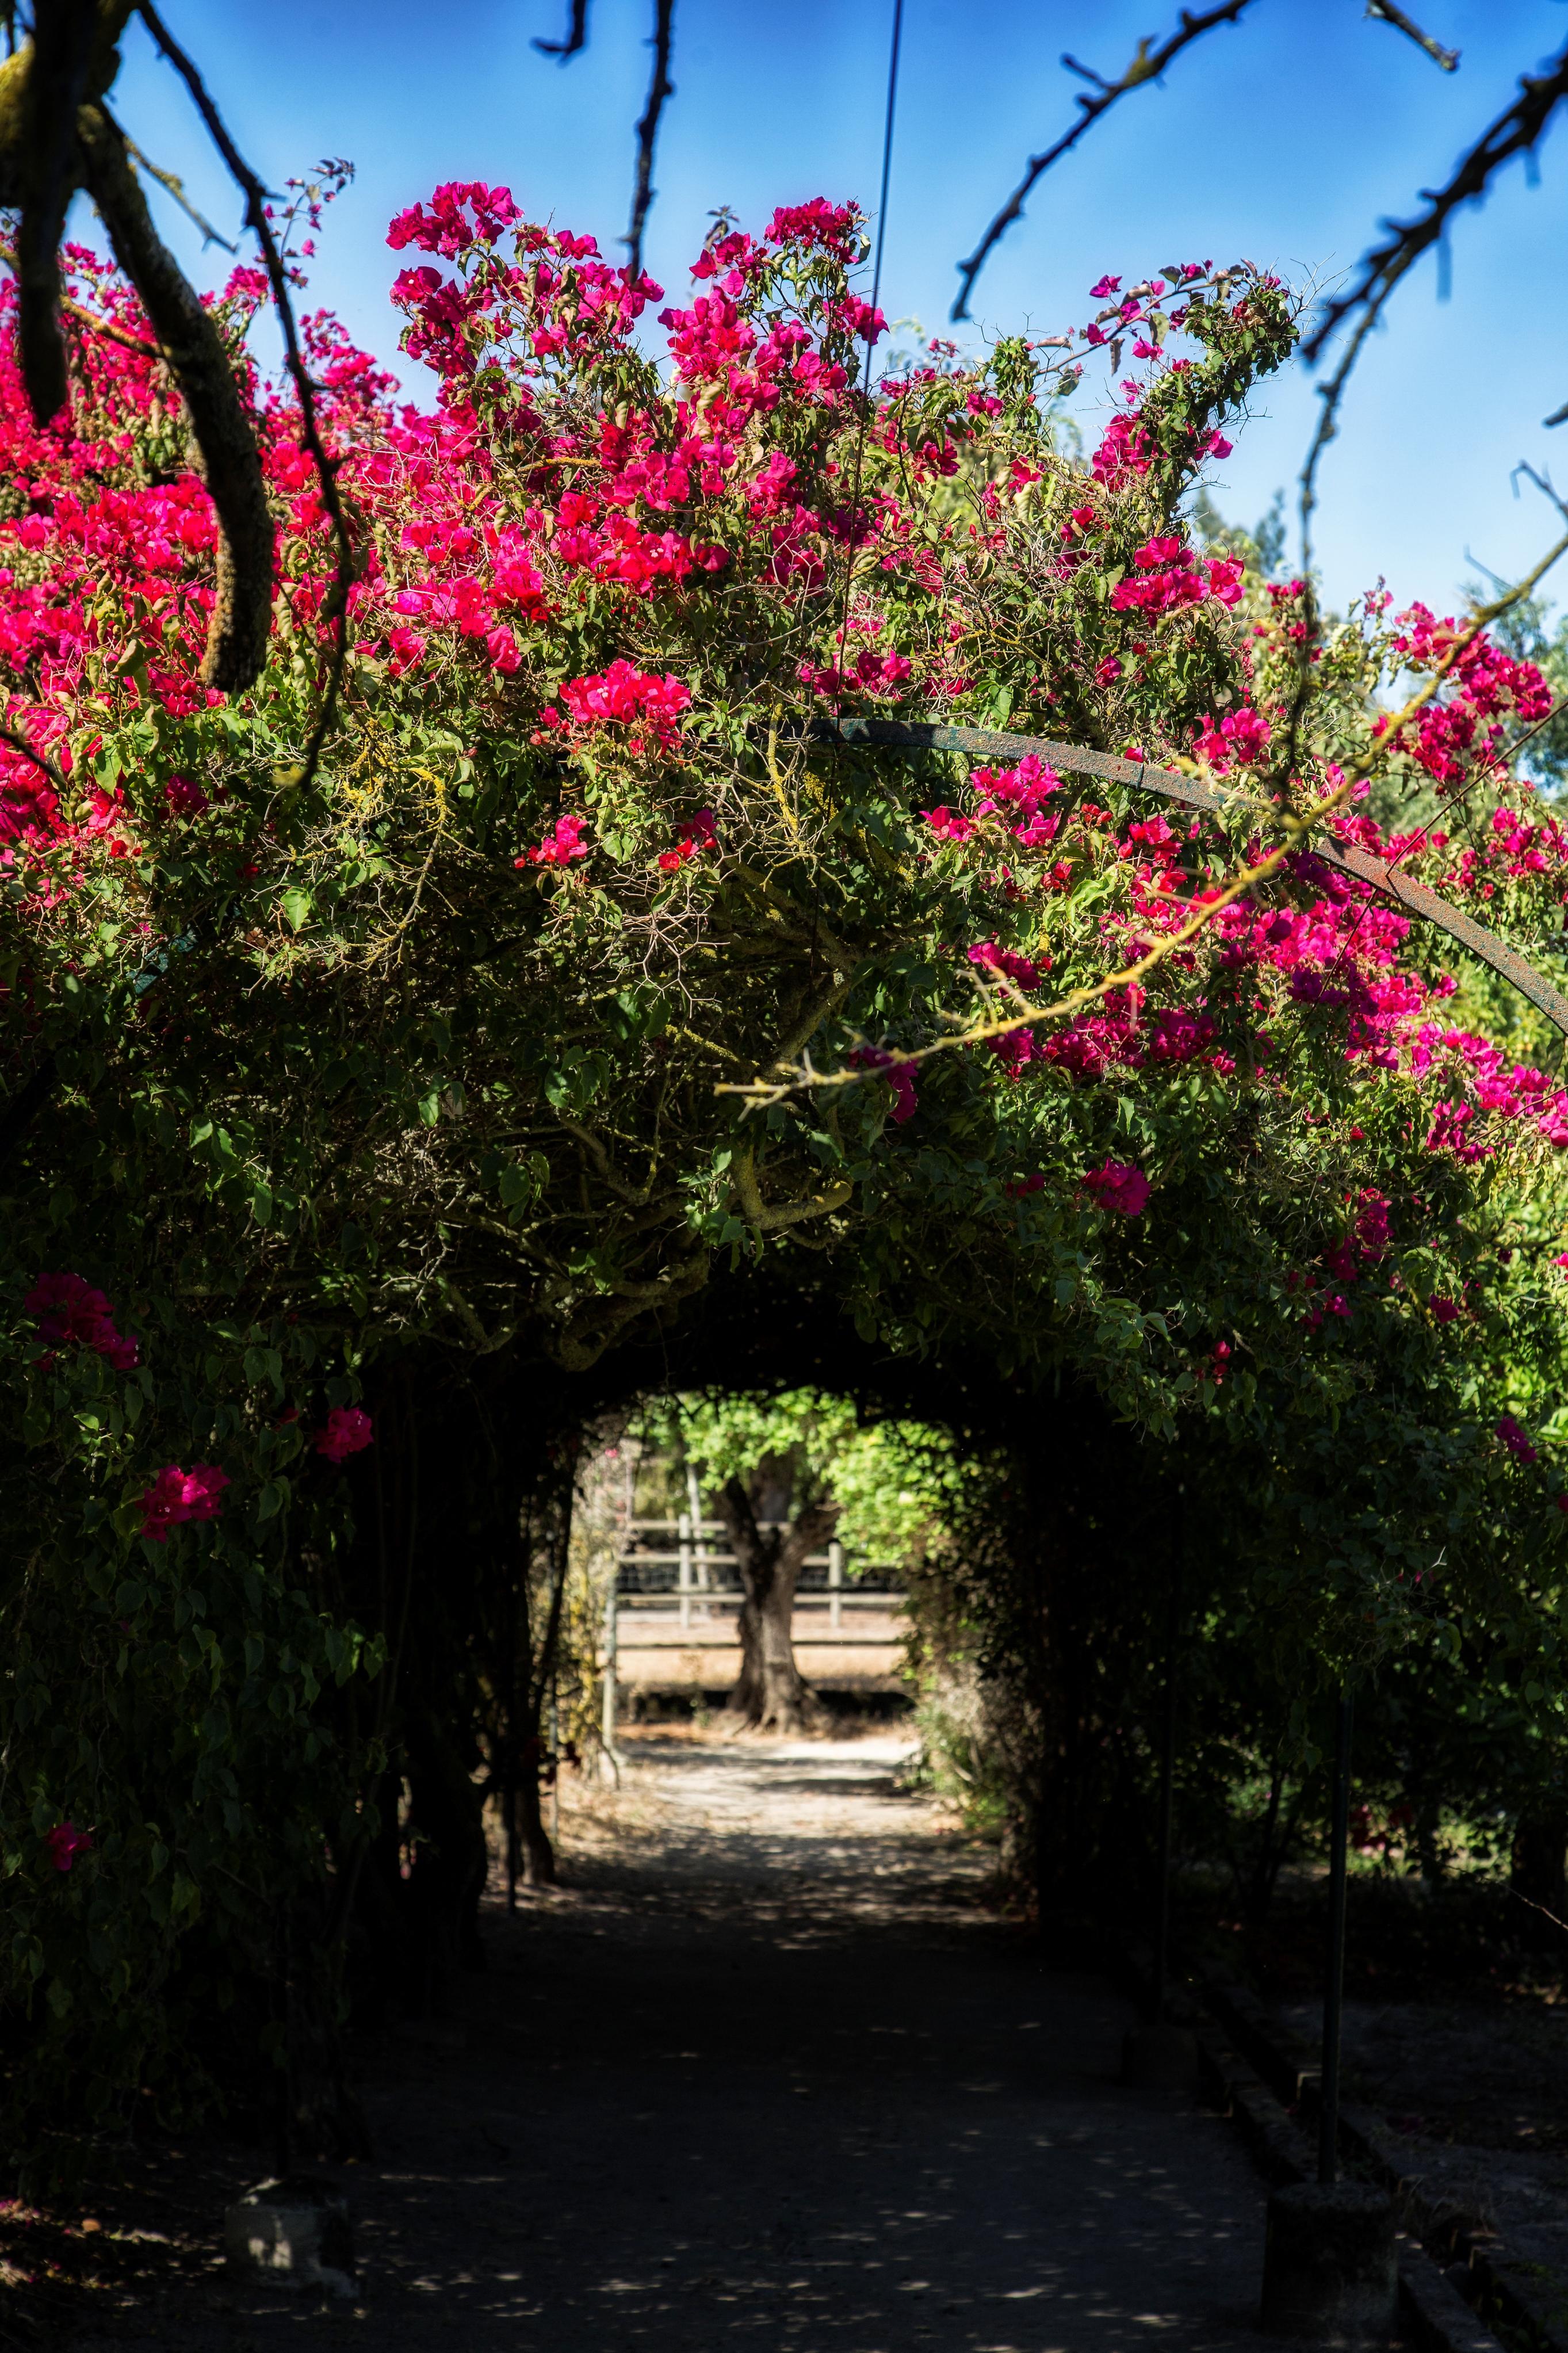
772 1694
538 1855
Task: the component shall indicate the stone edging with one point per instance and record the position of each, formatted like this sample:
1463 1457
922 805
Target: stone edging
1262 2073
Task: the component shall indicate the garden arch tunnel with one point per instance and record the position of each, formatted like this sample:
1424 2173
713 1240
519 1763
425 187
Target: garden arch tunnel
1067 1581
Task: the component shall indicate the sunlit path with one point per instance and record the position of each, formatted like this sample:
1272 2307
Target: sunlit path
767 2074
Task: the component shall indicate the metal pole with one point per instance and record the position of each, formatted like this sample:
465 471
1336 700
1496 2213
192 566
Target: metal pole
607 1728
835 1586
1334 1985
555 1764
1168 1779
684 1524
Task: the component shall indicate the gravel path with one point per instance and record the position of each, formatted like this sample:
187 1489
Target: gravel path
767 2076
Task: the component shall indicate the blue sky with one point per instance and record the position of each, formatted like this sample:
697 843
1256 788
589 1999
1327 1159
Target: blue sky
1284 139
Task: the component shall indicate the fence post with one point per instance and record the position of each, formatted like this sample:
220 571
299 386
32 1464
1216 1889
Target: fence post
684 1524
835 1586
607 1725
699 1529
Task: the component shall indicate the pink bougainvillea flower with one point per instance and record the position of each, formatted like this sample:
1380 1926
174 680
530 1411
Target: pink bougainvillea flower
1514 1439
899 1076
1117 1186
1444 1310
346 1431
70 1313
559 846
177 1495
696 834
1020 1187
65 1842
183 798
624 694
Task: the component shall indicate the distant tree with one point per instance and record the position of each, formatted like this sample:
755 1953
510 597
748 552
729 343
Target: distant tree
787 1474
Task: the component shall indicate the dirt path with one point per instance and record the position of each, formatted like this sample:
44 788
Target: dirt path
768 2075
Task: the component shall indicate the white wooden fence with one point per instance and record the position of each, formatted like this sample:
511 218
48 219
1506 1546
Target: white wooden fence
670 1616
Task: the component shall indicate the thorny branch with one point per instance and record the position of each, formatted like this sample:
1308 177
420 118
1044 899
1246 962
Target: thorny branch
256 195
576 35
1515 133
1384 12
659 90
18 743
1147 66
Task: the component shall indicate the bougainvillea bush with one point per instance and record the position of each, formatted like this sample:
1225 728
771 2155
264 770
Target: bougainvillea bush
423 1045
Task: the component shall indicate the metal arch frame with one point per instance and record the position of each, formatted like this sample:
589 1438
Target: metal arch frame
1414 897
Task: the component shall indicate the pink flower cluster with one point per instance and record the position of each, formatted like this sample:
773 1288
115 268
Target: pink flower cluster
177 1495
900 1078
694 835
346 1431
625 696
875 674
1237 739
1009 794
1168 577
1463 725
1516 1441
71 1315
65 1842
559 846
1025 970
1117 1186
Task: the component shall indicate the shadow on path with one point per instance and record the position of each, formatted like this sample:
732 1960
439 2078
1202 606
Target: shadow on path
767 2077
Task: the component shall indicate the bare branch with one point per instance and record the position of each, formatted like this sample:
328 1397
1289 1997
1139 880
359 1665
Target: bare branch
1147 66
1384 12
659 89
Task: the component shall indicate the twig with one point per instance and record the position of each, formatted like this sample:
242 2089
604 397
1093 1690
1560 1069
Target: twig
18 743
1384 12
176 188
112 334
659 89
326 467
576 35
1541 1908
1147 66
1513 133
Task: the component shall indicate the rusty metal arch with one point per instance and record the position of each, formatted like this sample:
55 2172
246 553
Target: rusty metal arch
1415 898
